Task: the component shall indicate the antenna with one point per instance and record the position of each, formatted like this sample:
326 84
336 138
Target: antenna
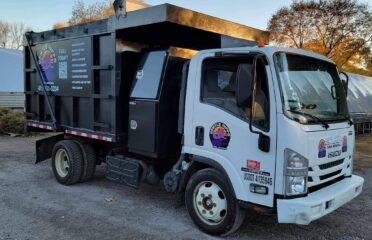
120 7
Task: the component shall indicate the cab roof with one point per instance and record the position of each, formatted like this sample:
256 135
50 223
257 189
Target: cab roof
271 50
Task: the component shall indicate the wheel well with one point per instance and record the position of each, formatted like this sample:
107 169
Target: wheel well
199 163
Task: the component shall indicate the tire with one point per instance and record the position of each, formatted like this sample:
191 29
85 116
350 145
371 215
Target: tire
209 190
67 162
90 161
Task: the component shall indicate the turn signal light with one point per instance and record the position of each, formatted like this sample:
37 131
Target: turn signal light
259 189
261 44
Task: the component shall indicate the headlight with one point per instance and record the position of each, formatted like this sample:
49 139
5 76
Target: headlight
295 185
295 173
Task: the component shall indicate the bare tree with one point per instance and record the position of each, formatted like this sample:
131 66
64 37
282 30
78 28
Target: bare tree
11 34
17 31
82 13
4 34
338 29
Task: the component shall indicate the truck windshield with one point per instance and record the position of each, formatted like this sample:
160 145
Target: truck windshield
311 89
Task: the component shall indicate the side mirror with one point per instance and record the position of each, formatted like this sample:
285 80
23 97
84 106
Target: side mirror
345 82
244 81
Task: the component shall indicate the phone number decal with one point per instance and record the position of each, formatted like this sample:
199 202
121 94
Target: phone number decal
258 179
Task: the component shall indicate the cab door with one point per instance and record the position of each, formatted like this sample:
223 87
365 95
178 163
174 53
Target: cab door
217 129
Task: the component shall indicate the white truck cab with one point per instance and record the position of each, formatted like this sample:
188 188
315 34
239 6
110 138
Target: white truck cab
294 155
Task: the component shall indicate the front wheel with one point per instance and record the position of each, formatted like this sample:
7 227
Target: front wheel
211 203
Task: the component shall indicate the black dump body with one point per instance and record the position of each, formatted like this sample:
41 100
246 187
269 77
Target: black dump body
118 80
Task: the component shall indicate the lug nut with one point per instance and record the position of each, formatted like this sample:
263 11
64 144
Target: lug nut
202 195
211 212
199 203
204 211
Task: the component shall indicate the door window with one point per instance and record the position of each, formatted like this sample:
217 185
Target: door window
219 89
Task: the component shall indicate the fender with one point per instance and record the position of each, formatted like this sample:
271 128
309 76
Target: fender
44 147
214 164
193 168
222 164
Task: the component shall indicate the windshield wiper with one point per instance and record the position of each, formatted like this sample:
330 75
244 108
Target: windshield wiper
345 117
324 124
348 118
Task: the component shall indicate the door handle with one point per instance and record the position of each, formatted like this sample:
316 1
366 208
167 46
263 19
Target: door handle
199 136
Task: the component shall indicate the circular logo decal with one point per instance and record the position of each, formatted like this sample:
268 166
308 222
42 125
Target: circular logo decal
47 60
220 135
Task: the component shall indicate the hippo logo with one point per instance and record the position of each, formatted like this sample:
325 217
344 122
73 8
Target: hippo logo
47 61
322 149
344 144
220 136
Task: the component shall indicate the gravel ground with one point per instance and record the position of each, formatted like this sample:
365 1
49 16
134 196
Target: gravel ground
34 206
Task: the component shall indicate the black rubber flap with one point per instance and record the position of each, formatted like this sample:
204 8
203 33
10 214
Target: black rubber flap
123 170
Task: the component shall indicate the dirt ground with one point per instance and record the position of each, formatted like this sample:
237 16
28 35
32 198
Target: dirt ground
34 206
363 154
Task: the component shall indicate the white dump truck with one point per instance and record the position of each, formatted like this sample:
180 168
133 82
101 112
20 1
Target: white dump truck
167 94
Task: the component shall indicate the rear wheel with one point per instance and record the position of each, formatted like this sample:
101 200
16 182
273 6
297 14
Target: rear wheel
211 203
90 161
67 162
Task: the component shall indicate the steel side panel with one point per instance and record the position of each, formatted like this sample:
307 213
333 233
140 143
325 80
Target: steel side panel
77 104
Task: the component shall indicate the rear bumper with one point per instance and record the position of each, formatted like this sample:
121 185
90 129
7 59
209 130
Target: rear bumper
317 204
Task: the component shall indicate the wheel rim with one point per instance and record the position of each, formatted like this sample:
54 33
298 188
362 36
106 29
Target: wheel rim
210 202
62 163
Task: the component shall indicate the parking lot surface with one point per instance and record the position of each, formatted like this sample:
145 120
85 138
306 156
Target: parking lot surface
34 206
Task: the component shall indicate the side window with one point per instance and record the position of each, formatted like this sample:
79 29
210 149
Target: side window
219 89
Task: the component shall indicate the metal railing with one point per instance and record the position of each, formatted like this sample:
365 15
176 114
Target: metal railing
362 123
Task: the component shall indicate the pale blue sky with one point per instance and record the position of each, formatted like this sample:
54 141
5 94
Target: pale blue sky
42 14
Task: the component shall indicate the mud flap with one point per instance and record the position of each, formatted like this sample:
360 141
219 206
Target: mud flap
44 147
123 170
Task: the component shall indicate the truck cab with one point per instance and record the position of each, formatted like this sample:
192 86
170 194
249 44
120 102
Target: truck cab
274 122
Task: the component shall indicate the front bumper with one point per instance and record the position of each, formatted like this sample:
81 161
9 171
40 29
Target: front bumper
317 204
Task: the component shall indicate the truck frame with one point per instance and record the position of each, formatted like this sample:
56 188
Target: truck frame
203 105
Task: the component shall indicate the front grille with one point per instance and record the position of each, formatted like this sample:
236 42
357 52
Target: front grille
320 186
323 173
330 175
331 164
